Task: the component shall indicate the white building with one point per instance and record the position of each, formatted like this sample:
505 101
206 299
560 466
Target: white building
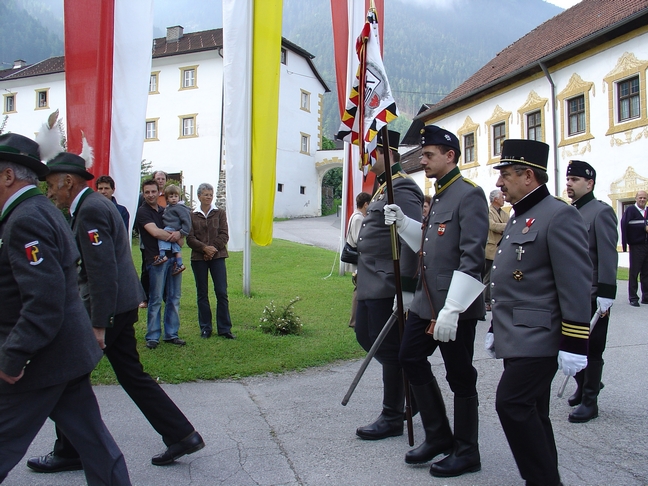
184 114
576 82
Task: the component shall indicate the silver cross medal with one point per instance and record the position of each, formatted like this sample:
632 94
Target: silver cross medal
519 252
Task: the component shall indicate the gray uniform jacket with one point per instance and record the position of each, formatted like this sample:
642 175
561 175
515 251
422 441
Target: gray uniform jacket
375 264
108 281
601 224
42 318
541 280
454 239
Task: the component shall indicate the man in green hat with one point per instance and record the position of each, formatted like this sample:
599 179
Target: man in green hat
47 347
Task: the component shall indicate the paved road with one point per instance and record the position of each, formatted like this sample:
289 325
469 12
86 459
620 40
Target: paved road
291 429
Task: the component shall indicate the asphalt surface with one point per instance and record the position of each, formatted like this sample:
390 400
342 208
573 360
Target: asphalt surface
291 429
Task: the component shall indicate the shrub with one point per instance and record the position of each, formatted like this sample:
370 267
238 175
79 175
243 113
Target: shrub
282 321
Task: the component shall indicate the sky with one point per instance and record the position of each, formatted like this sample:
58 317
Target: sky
564 3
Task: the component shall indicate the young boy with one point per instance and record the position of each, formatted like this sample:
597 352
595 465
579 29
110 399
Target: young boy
176 217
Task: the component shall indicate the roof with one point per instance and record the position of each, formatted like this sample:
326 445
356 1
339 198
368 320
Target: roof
588 23
411 161
205 40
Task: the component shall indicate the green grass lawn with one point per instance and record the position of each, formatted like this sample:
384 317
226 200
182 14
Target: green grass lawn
280 272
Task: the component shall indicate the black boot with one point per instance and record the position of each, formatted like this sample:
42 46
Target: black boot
390 422
575 399
588 409
465 455
438 436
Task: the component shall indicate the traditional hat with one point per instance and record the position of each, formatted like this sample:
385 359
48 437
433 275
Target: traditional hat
433 135
23 151
524 152
394 139
578 168
70 164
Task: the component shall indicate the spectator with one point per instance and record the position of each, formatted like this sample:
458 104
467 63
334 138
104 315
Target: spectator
176 218
355 223
161 282
208 241
497 219
106 186
427 203
634 233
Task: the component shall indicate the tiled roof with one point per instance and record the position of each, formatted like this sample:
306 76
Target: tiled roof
587 21
191 42
411 161
47 66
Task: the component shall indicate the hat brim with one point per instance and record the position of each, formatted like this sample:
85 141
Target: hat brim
508 162
37 166
69 169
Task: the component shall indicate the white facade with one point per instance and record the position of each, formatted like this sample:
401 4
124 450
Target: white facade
617 150
184 123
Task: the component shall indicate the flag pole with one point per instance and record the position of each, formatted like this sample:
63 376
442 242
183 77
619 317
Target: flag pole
247 164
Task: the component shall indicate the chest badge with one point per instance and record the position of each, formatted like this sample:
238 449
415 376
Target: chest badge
441 229
517 275
529 222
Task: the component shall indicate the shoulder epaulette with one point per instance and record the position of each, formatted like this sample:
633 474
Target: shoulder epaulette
470 182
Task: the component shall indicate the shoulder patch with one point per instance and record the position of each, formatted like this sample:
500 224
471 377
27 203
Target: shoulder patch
469 182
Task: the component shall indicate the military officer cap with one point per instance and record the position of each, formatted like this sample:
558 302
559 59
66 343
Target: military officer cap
578 168
22 151
394 139
524 152
68 163
433 135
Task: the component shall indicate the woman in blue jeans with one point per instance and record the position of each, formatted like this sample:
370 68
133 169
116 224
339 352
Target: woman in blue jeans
208 242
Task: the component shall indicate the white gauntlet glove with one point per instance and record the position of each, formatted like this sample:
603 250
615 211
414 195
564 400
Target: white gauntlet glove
408 297
408 229
462 292
489 344
571 363
604 304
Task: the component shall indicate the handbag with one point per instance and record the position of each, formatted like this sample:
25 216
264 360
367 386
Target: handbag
349 254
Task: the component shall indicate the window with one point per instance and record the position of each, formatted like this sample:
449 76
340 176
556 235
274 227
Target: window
628 93
534 126
499 135
305 144
283 56
10 103
576 115
302 189
151 129
469 148
42 98
279 187
153 83
189 77
574 103
305 100
188 126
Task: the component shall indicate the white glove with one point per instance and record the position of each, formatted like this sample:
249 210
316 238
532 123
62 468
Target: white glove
463 291
408 297
489 344
408 229
604 304
571 363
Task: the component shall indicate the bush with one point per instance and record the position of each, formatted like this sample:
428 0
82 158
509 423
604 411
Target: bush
280 322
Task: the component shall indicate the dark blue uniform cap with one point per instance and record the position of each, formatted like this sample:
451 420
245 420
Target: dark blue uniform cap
433 135
578 168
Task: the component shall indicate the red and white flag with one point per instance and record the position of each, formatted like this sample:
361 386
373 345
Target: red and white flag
108 46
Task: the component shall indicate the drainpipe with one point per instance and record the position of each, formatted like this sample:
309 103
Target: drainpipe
555 126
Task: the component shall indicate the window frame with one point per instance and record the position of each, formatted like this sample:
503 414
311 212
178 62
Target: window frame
39 92
154 121
280 187
627 67
305 106
536 126
578 115
156 75
304 137
5 100
498 118
575 87
183 71
498 138
283 57
183 119
302 190
629 97
468 128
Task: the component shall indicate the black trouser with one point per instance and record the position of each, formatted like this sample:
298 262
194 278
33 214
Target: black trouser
121 350
144 276
638 268
371 317
488 266
457 355
522 403
598 336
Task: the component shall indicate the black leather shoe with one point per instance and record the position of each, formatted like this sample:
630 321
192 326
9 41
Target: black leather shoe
53 464
176 341
634 303
228 335
190 444
205 334
151 344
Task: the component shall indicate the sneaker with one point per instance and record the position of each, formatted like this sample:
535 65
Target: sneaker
176 341
159 260
143 304
178 269
151 344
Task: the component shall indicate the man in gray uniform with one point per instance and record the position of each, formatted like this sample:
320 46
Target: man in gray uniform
377 288
47 347
540 296
452 259
111 292
601 223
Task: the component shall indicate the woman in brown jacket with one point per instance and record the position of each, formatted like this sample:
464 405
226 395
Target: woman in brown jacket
208 242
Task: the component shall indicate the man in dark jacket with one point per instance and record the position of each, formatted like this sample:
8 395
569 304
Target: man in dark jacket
106 186
47 347
634 233
111 291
